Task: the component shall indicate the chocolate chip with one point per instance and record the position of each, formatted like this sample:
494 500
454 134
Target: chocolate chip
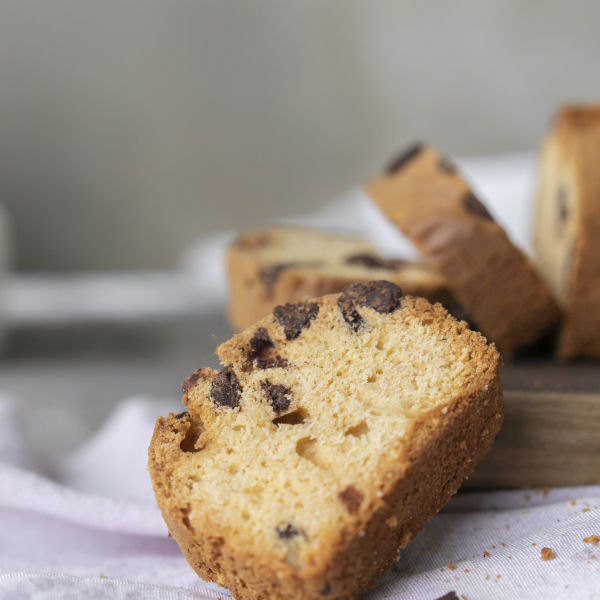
192 380
382 296
349 313
262 351
295 317
473 205
286 531
405 157
446 165
277 395
226 389
449 596
351 498
269 275
325 590
182 415
563 207
374 262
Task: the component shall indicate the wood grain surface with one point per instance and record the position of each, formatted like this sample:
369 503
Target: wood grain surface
551 431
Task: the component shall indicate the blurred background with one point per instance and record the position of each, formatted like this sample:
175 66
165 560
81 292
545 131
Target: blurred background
127 129
131 130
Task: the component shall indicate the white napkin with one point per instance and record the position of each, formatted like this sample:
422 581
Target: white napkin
95 532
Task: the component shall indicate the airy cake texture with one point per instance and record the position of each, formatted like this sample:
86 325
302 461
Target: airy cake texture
335 429
423 194
567 226
276 265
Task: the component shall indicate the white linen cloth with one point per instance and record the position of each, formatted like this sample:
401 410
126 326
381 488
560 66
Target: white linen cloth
93 530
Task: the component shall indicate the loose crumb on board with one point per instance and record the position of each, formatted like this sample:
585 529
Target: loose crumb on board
592 539
547 554
451 566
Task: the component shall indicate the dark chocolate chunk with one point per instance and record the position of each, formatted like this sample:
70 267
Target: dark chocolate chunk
286 531
382 296
563 207
403 158
325 590
351 498
270 274
295 317
446 165
181 415
449 596
225 389
349 313
374 262
278 395
473 205
191 381
262 351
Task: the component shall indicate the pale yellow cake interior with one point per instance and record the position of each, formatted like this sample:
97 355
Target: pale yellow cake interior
326 253
354 400
556 219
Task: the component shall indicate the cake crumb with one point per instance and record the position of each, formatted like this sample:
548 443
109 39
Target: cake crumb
486 554
467 571
592 539
451 566
547 554
503 544
392 522
572 502
585 510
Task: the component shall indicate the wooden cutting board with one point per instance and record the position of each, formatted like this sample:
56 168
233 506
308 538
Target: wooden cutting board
551 431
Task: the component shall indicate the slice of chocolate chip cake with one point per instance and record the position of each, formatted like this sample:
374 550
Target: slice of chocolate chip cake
335 429
567 226
273 266
423 194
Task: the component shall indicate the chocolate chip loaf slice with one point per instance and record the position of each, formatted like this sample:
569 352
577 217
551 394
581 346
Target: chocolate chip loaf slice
423 194
276 265
567 226
335 429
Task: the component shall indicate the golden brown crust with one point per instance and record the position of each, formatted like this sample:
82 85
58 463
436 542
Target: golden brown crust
252 296
418 475
567 226
490 277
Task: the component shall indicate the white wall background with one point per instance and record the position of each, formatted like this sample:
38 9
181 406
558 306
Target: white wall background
128 128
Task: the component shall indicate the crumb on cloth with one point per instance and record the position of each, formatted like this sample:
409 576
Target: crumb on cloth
547 553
